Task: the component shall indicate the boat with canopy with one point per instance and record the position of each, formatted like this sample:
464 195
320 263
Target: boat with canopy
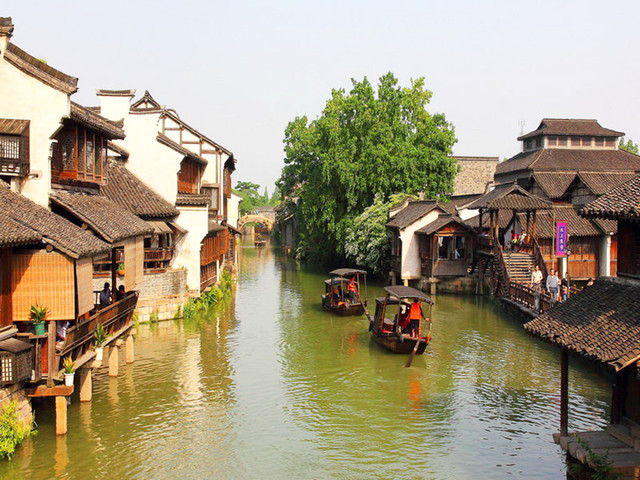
343 292
399 321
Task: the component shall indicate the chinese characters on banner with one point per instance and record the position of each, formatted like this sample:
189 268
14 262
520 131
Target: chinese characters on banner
561 239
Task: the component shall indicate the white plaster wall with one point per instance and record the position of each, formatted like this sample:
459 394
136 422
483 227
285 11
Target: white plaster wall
411 267
467 213
25 98
233 205
114 107
187 255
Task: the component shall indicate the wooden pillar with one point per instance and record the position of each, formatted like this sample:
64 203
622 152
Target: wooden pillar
564 393
528 230
114 275
51 352
534 234
129 348
61 415
113 360
86 384
480 221
616 396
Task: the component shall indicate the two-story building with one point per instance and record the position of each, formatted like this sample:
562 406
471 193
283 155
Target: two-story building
188 170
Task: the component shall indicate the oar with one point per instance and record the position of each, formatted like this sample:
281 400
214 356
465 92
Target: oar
413 354
366 312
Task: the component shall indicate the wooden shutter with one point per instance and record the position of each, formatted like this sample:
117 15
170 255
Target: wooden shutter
139 259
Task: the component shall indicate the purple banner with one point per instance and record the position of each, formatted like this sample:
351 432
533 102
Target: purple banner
561 239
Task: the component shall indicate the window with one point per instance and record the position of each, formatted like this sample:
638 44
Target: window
9 147
459 251
599 142
78 155
443 247
562 141
586 141
527 145
610 142
552 141
576 141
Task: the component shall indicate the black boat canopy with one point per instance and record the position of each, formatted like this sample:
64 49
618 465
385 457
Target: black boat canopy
341 272
400 291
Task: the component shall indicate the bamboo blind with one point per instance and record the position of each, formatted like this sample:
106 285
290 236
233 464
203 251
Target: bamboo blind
134 262
139 259
45 279
84 281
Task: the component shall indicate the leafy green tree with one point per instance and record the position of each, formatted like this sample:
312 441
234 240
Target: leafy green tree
629 146
368 241
251 199
365 143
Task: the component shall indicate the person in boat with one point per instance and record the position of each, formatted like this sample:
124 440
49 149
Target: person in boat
335 296
352 290
412 322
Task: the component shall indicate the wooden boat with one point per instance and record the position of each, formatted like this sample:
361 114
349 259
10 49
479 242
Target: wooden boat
399 334
259 241
337 299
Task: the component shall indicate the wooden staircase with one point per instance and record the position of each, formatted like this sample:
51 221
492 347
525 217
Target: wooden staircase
519 266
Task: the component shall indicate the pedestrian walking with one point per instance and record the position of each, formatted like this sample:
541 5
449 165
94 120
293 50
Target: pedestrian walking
553 283
536 284
564 287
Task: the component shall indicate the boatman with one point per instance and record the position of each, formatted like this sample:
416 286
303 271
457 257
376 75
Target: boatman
415 315
351 288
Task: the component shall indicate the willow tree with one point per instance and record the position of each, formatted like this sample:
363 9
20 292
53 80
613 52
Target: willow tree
365 144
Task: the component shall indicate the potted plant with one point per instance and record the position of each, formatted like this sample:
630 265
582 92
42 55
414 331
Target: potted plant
120 270
99 339
69 369
38 315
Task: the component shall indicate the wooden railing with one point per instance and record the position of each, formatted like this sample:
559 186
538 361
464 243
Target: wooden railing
158 254
526 297
502 274
115 318
537 252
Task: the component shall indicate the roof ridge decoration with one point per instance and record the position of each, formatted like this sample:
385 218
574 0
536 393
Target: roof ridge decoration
571 126
92 120
103 92
146 98
173 115
31 65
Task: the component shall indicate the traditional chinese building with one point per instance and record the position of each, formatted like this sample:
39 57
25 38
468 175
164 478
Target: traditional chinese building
188 170
601 324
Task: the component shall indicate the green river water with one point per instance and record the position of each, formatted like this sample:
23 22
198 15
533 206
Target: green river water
272 387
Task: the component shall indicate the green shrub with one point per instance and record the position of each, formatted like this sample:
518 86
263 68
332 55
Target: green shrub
208 299
178 314
153 317
12 431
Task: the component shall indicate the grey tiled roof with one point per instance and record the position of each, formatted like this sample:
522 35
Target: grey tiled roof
571 126
110 221
600 323
412 212
566 160
94 121
621 202
128 191
47 226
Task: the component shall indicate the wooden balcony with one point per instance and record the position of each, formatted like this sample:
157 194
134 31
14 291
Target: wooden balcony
157 259
444 268
116 319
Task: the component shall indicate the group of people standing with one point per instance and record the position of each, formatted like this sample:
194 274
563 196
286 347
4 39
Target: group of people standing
557 288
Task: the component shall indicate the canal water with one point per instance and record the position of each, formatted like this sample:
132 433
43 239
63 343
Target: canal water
269 386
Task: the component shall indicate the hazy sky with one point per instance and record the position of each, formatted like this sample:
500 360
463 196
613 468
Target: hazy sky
239 71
